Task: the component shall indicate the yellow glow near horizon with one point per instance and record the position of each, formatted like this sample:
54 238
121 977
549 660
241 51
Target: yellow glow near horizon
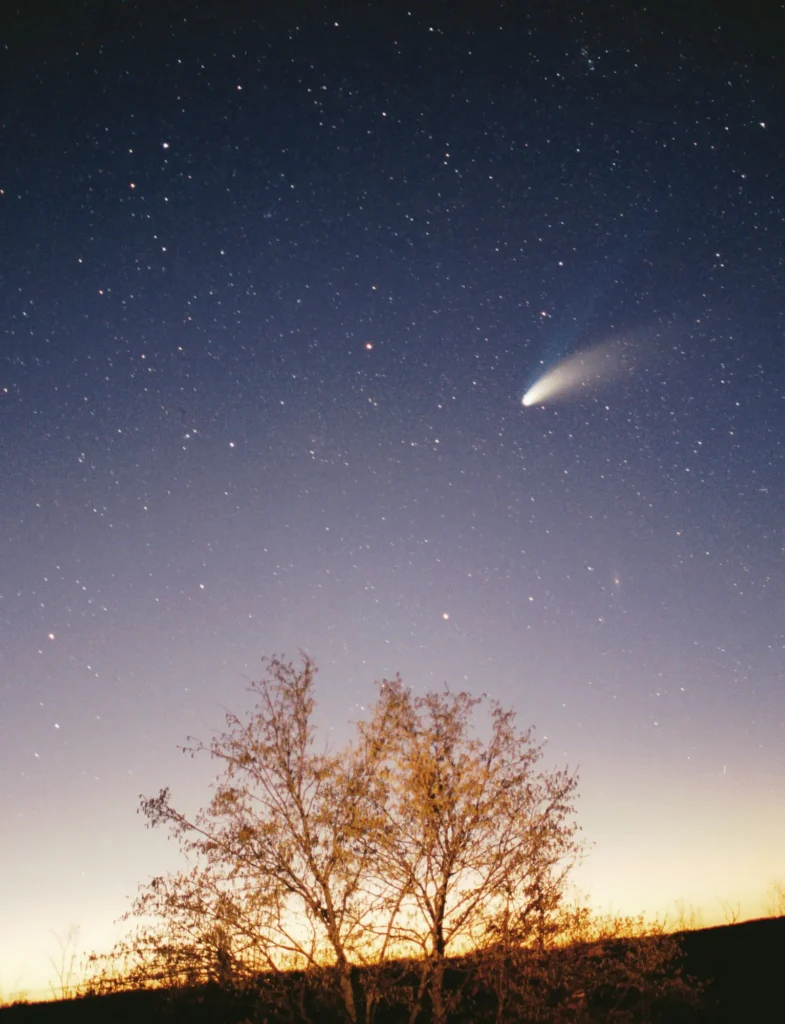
613 887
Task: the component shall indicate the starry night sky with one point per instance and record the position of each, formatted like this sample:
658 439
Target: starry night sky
273 285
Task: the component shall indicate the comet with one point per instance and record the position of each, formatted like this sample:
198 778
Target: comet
577 374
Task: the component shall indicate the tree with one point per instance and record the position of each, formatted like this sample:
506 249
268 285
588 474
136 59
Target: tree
732 911
65 964
285 875
776 901
424 862
471 830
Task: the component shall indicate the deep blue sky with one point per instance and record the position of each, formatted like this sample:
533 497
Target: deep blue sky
273 286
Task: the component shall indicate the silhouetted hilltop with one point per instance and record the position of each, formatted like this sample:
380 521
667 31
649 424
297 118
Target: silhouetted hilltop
740 963
744 965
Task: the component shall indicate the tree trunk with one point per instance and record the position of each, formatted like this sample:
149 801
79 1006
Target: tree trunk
437 991
425 974
347 991
439 950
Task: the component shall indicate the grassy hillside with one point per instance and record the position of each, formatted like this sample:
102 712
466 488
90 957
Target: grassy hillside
741 964
744 964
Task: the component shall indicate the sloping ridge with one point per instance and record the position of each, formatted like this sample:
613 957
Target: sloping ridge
742 965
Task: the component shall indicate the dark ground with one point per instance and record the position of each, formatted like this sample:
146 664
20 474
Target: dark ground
744 965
